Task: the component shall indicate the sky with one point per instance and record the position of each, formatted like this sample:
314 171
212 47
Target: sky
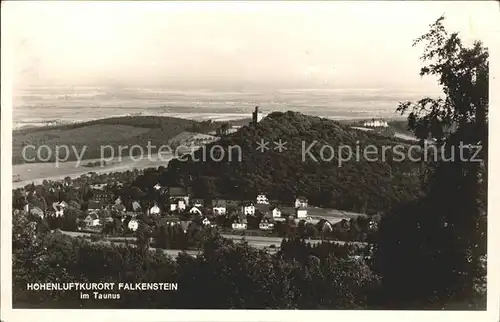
195 45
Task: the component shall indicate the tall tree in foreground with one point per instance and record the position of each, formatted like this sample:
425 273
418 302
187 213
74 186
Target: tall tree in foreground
431 251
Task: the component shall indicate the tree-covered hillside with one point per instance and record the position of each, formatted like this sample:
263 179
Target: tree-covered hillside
357 184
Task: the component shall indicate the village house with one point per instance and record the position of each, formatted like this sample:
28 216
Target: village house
327 226
276 212
94 206
300 212
133 225
206 222
136 206
35 211
262 199
248 208
376 123
324 225
301 202
198 203
266 224
155 210
175 193
118 201
58 209
219 207
240 223
92 220
195 210
177 204
373 225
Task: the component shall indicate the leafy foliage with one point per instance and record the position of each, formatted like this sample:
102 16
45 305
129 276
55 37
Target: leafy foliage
436 246
244 277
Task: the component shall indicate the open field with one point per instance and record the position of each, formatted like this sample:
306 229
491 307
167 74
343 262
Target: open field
37 172
86 140
188 138
264 242
254 241
332 215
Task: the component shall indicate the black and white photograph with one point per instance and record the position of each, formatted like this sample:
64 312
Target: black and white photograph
227 156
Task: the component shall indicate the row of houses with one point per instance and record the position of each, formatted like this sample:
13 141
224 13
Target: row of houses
182 202
376 123
179 201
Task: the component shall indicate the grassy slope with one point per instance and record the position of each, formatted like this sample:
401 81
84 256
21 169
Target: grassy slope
116 131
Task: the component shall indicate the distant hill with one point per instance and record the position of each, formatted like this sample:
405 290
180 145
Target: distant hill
115 131
356 185
188 138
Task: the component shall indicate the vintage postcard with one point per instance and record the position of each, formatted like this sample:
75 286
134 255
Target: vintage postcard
257 161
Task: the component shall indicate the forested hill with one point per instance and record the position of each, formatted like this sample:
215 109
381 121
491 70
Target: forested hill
118 131
357 185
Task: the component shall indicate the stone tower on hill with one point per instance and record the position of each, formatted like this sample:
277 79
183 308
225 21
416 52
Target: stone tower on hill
257 116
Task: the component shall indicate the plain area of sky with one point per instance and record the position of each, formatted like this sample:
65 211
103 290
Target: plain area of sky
231 45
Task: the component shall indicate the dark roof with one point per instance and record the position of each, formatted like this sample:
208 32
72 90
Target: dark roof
175 200
268 215
177 192
241 219
288 210
263 208
198 200
219 203
94 205
302 198
92 216
232 203
248 203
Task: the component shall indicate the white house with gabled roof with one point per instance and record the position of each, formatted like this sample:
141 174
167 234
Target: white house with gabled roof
301 202
262 199
248 208
195 210
133 224
300 212
276 212
155 210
